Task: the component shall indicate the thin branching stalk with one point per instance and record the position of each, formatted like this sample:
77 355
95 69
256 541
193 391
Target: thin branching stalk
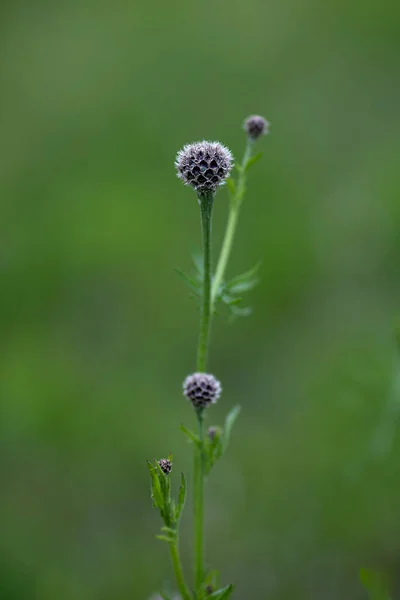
178 571
234 209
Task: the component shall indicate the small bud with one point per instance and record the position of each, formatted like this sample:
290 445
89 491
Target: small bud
166 465
255 126
213 432
202 389
204 165
209 590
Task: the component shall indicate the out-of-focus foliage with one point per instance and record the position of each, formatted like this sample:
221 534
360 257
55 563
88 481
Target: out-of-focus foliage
97 332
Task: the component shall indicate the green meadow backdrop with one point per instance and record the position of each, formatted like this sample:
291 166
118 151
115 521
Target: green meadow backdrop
97 332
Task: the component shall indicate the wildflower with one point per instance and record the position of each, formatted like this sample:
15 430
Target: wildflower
255 126
204 165
202 389
166 465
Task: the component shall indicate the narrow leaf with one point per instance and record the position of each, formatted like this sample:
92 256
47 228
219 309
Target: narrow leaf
165 538
244 286
181 498
171 532
240 312
156 492
222 594
229 422
230 300
252 161
246 276
190 435
192 283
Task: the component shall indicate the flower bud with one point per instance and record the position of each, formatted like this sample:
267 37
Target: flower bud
202 389
255 126
166 465
204 165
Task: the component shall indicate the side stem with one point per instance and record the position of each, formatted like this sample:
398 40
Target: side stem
180 579
230 230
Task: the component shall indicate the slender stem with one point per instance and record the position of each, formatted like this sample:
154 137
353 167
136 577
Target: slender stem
199 508
206 204
233 216
180 579
225 250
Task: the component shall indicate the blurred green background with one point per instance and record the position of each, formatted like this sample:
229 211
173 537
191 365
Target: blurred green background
97 332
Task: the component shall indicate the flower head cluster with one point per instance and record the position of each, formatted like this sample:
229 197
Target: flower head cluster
204 165
255 126
202 389
166 465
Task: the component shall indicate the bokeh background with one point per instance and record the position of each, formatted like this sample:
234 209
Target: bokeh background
97 331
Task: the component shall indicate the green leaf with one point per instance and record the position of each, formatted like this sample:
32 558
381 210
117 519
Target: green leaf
168 530
192 437
247 276
231 185
222 594
244 286
236 311
229 422
165 538
376 584
194 285
230 300
164 595
181 498
252 161
156 491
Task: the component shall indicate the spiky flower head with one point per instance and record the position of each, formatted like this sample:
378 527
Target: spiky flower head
202 389
204 165
255 126
166 465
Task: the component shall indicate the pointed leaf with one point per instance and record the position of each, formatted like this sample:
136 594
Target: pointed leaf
229 422
165 538
194 285
222 594
230 300
192 437
252 161
236 311
165 596
244 286
181 498
156 491
249 275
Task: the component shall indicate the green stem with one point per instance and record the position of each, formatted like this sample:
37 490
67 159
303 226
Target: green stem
199 507
233 216
180 579
206 205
